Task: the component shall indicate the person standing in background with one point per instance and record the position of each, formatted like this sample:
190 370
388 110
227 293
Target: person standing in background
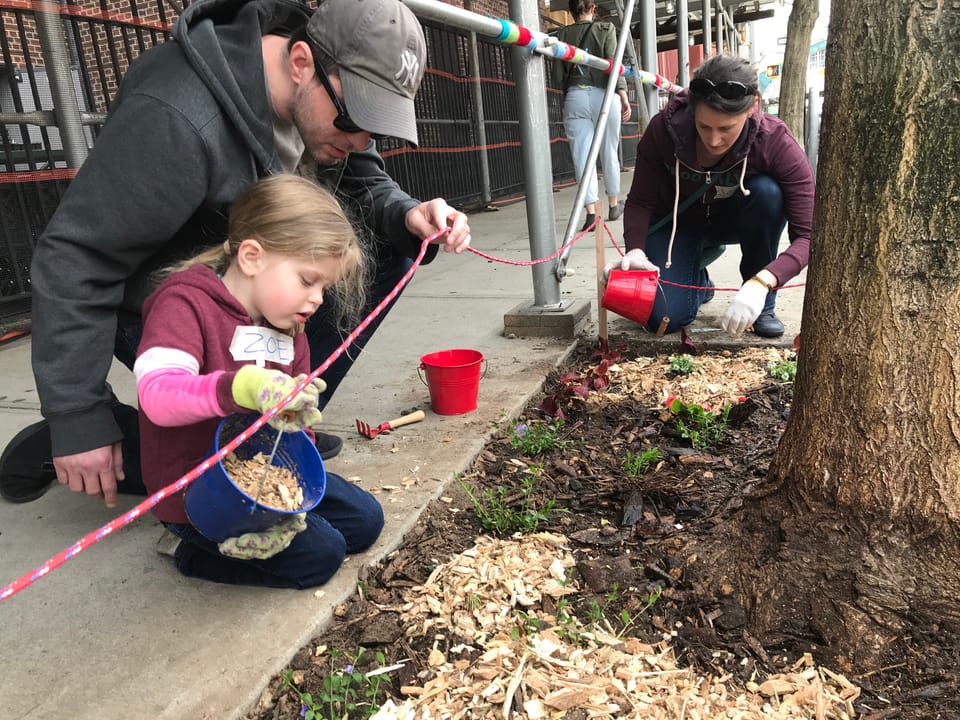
583 89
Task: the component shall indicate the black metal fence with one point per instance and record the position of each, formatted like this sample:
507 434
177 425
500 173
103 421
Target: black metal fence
104 39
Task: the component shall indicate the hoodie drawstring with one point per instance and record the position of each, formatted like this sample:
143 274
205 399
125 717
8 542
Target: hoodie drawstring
676 202
743 172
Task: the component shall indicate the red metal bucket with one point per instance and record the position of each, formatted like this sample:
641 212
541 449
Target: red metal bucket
453 378
631 293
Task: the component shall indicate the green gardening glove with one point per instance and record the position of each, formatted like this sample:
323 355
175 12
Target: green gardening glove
266 543
259 389
310 415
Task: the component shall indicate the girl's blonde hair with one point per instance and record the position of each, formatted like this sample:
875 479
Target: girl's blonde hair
289 215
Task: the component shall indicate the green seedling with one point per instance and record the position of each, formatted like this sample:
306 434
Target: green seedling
699 424
783 370
680 365
504 511
648 602
536 437
636 465
346 692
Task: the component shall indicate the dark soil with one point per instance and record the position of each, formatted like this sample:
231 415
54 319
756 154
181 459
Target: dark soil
631 536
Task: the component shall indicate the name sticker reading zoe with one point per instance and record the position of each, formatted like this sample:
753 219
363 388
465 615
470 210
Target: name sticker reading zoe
261 344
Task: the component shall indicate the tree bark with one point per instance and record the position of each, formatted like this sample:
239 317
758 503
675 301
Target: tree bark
796 57
858 534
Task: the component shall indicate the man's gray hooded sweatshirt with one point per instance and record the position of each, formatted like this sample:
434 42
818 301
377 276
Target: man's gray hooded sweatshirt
191 127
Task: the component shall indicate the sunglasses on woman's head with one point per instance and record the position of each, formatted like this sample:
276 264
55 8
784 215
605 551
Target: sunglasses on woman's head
342 121
728 89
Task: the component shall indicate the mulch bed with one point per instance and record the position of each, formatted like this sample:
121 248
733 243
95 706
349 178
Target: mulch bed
601 612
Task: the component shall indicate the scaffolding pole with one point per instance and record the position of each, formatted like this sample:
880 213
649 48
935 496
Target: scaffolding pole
66 106
534 135
591 164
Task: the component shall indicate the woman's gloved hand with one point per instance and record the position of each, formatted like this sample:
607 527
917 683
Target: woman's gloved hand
745 307
634 260
266 543
260 389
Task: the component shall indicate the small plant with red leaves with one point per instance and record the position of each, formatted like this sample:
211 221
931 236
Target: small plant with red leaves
574 386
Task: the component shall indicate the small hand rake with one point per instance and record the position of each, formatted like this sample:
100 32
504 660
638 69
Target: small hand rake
371 432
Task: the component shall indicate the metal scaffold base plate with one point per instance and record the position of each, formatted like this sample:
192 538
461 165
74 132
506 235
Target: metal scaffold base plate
563 321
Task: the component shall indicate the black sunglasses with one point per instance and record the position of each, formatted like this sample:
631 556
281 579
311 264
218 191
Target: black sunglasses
342 121
728 89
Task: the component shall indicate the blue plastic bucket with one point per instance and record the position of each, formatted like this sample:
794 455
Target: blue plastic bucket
219 509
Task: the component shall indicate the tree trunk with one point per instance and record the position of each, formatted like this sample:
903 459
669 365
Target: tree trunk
858 535
796 57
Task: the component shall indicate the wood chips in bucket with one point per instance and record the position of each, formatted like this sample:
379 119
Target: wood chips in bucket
526 664
280 490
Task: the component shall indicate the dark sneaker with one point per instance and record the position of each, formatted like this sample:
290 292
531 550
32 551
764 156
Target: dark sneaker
768 325
615 212
708 294
328 445
26 465
588 222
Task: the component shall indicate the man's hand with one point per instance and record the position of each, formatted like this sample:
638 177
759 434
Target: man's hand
94 472
430 217
634 260
624 105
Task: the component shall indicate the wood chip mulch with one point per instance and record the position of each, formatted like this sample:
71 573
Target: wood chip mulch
520 661
274 486
719 379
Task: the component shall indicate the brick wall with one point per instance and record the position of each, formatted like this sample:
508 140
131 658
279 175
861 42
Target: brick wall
20 33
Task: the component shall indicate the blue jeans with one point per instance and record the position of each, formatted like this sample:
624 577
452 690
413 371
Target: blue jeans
348 520
754 222
581 111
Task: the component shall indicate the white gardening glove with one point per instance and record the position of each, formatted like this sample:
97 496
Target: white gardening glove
633 260
745 307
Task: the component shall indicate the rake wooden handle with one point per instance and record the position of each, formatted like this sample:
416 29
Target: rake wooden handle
407 419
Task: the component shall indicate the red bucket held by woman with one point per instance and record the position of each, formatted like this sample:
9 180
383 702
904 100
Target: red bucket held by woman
631 293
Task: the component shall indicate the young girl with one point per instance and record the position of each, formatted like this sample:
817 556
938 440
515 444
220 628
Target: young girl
224 334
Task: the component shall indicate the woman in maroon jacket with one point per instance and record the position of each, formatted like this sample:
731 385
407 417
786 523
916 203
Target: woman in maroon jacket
714 170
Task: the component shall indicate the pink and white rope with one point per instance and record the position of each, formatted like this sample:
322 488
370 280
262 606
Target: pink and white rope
175 487
693 287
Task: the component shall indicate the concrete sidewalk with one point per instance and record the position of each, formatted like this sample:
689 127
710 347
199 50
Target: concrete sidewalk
118 633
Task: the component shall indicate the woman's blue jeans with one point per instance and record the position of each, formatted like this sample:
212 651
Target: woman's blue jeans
754 222
348 520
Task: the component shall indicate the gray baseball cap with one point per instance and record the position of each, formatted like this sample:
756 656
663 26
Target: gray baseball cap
379 48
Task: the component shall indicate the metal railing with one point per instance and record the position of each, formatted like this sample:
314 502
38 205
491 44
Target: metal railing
467 119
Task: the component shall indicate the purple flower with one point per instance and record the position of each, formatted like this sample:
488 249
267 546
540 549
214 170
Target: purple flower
348 669
521 430
303 709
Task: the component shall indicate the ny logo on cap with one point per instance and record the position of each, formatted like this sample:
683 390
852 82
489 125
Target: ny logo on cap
409 70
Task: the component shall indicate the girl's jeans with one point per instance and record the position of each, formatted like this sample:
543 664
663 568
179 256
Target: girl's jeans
347 520
754 222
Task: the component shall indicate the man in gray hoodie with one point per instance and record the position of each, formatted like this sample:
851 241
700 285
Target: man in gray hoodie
247 89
